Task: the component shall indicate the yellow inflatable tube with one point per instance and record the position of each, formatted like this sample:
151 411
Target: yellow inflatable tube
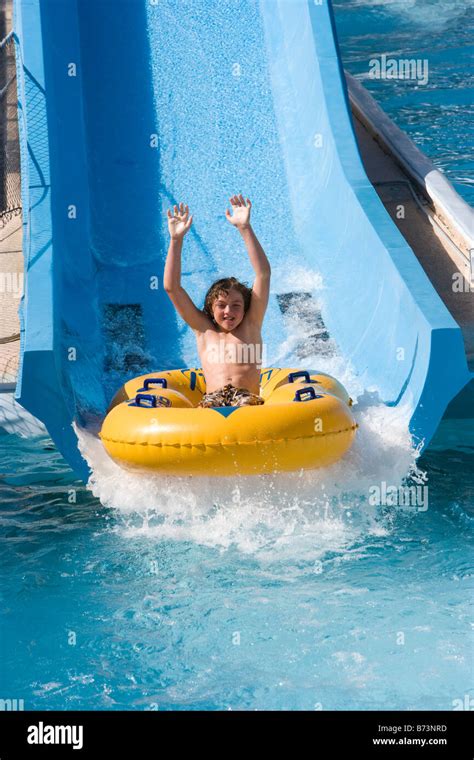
153 424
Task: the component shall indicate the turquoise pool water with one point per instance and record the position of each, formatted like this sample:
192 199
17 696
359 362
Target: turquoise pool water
274 597
437 115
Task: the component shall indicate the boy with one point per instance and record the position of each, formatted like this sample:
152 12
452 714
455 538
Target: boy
228 329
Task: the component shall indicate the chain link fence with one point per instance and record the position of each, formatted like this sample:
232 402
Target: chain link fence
11 258
10 189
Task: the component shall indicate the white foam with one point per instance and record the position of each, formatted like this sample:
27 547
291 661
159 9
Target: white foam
296 278
305 514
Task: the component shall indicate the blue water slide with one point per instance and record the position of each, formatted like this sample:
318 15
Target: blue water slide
128 107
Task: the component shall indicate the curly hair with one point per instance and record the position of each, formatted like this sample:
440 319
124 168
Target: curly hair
223 286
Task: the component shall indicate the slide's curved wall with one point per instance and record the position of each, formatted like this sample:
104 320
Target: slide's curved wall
126 108
382 309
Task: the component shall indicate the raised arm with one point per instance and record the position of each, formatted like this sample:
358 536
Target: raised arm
178 225
261 266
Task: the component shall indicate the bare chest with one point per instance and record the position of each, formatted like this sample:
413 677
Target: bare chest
239 347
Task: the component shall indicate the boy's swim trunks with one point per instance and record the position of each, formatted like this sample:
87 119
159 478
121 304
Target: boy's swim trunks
230 396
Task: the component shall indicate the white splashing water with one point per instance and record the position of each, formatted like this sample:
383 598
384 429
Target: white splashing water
304 514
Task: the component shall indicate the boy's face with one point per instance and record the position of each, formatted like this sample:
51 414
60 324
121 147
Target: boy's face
228 310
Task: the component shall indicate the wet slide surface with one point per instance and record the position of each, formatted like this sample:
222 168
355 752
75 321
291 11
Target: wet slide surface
217 136
200 103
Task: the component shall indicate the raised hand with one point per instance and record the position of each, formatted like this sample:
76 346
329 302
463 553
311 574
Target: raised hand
241 211
179 222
